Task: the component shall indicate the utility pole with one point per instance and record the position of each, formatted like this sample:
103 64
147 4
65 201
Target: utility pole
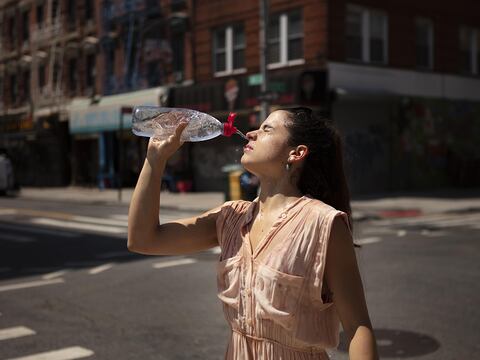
263 58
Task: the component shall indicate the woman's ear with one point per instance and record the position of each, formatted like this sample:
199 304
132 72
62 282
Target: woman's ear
299 153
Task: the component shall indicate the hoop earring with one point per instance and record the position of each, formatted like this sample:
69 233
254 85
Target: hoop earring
287 166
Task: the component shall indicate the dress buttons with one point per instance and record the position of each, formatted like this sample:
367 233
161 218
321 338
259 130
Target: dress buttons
249 322
249 292
284 216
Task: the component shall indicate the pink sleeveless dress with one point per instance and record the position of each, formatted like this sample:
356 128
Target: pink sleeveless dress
272 299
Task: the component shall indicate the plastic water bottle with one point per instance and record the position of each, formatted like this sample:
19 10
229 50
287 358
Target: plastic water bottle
161 122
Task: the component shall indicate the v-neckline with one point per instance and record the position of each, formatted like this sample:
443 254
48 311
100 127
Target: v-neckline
264 241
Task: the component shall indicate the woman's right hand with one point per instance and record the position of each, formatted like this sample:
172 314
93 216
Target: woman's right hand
160 150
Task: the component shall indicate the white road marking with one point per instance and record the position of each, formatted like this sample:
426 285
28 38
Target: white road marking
15 332
119 217
78 226
216 250
434 233
53 275
401 233
100 268
21 228
377 231
70 353
8 211
369 240
101 221
165 264
30 284
17 238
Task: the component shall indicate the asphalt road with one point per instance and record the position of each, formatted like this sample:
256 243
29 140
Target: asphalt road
70 289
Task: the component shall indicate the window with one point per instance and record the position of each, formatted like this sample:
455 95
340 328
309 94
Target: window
71 11
13 89
12 34
40 15
26 85
91 71
72 75
285 39
55 9
366 35
229 50
41 76
424 43
1 93
469 50
89 10
25 26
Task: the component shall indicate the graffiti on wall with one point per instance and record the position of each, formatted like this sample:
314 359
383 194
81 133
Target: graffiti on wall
435 141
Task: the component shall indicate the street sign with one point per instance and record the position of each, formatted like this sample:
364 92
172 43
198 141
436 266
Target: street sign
255 79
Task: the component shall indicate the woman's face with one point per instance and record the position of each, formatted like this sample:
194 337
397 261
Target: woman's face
267 151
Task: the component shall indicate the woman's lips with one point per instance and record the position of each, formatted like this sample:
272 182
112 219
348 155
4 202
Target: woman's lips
247 148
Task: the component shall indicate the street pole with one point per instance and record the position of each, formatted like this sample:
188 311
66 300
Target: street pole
120 160
264 110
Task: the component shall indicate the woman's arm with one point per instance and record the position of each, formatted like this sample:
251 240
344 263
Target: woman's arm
145 234
343 279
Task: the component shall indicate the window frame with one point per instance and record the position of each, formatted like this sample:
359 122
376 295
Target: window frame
431 42
365 36
473 49
284 40
228 50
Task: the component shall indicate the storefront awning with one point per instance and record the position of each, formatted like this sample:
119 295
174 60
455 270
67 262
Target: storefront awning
104 115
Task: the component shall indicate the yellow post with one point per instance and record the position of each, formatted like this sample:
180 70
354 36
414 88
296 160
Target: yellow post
234 184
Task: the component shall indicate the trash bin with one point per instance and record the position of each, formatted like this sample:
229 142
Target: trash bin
232 190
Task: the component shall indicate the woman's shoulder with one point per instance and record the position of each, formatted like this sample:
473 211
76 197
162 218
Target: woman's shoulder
319 207
237 206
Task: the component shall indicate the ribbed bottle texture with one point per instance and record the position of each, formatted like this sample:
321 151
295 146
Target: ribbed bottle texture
161 122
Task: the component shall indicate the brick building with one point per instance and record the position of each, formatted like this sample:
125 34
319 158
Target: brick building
399 78
67 68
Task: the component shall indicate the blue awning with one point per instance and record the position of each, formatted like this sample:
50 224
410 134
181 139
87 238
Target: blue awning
88 117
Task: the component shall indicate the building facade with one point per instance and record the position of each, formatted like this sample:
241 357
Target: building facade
70 72
401 81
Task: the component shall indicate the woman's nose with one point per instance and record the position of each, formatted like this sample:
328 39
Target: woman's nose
250 135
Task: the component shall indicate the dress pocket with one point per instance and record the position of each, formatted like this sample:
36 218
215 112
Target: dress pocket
228 281
277 295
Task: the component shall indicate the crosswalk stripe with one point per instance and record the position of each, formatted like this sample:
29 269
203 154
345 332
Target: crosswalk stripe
16 238
100 221
15 332
21 228
8 211
165 264
437 219
54 274
366 241
30 284
100 269
70 353
119 217
78 226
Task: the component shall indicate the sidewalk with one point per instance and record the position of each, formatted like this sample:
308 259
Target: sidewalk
366 207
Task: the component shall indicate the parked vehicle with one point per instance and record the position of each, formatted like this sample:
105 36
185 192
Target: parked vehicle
7 178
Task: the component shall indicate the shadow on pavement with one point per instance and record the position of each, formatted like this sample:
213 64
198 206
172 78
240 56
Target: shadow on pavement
27 250
394 343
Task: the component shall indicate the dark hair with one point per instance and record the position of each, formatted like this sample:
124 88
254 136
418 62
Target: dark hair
322 175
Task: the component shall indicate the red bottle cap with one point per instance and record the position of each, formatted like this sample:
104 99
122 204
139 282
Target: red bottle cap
228 128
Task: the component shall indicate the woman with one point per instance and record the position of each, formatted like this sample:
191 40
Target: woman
283 294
